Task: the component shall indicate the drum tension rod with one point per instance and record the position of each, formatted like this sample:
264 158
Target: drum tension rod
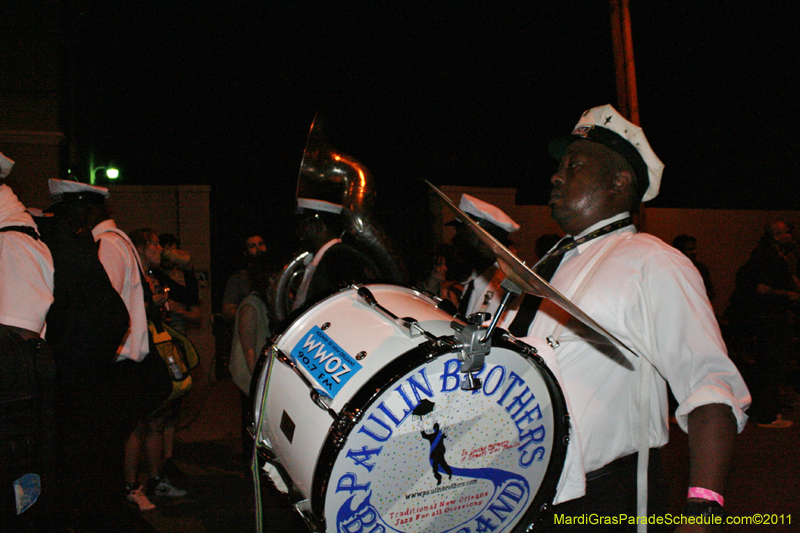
409 324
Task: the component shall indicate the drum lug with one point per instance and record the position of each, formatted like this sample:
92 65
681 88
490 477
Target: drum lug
341 428
323 402
525 349
303 507
471 382
320 400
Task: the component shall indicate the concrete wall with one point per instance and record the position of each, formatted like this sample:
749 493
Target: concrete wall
725 237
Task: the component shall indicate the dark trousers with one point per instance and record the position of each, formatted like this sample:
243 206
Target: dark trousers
611 492
95 425
27 429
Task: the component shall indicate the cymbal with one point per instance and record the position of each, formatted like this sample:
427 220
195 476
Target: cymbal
521 275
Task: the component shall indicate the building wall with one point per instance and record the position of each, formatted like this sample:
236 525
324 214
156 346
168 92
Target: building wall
725 237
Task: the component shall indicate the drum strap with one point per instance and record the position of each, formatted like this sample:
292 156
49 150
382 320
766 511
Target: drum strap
302 292
644 444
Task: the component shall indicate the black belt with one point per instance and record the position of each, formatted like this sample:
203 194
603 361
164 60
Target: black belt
623 463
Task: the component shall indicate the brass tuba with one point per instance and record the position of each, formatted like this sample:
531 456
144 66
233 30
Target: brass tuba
323 168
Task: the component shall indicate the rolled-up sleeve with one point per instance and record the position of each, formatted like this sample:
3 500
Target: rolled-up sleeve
683 339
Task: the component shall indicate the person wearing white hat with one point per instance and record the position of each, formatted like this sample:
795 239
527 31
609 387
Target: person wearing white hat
136 383
482 292
26 293
116 252
334 263
651 298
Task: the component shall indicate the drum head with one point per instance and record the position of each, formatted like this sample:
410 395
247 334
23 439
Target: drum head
422 455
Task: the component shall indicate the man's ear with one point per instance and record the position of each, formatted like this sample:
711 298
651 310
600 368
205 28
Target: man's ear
624 181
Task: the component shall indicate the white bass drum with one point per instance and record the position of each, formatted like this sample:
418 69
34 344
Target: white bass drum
361 419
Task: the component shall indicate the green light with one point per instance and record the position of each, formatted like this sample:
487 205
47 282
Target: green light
111 173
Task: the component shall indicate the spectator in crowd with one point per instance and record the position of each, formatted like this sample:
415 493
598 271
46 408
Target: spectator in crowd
238 287
250 333
176 272
440 281
763 319
150 430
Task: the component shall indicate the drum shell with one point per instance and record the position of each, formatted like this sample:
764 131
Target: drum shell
380 339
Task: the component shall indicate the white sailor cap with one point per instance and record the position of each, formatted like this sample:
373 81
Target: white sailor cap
5 165
65 191
489 217
607 126
304 204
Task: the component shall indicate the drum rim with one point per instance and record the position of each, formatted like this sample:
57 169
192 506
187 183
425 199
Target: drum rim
387 377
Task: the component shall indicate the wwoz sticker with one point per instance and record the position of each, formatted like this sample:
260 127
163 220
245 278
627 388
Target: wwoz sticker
326 362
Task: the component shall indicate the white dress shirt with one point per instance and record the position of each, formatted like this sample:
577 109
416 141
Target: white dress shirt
650 297
121 261
26 269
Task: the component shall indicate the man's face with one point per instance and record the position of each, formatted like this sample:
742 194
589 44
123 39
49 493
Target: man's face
581 187
255 246
781 232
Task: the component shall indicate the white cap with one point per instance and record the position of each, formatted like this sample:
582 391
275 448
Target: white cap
318 205
64 190
486 212
5 165
629 142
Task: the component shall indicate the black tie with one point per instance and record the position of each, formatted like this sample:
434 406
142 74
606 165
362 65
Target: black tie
463 305
546 269
530 304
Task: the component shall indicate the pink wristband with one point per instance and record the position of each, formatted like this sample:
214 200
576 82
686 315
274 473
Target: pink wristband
705 494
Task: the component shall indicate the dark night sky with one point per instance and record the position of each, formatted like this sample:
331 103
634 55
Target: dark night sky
223 93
